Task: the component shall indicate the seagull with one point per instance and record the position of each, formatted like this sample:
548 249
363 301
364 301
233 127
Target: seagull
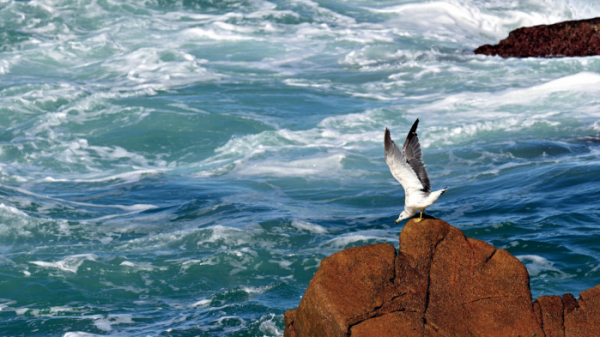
408 168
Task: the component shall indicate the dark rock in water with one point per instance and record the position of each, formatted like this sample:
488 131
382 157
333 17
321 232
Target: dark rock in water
569 38
440 283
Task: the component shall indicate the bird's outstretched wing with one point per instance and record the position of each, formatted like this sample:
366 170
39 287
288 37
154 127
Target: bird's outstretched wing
399 166
412 152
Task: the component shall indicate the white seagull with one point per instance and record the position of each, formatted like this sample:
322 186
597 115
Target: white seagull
408 168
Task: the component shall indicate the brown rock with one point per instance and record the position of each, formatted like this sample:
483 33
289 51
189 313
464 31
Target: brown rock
569 38
474 289
413 263
399 323
350 286
584 319
289 317
549 311
441 283
569 303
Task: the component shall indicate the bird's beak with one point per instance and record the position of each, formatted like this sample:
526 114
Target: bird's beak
395 222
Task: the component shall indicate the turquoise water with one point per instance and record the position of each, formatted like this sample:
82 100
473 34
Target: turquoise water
175 168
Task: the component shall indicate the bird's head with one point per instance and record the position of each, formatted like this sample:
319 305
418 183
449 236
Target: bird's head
402 216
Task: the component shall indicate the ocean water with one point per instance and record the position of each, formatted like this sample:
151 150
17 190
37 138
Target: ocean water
180 168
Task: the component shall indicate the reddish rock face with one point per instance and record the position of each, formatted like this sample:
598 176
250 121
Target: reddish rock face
567 317
441 283
463 287
549 312
399 323
584 319
418 242
477 290
289 317
570 38
350 286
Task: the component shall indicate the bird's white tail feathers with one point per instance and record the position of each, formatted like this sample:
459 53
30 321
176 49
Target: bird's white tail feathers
433 196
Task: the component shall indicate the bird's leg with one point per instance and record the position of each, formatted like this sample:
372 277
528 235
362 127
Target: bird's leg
420 218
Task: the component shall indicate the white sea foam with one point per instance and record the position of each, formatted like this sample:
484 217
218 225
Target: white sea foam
229 235
37 98
537 265
80 334
318 166
240 152
202 303
211 261
126 177
154 241
220 32
593 270
127 288
105 324
188 108
97 46
5 66
69 264
309 227
6 304
495 110
14 222
133 208
79 151
231 241
137 267
581 82
457 20
443 20
227 320
344 241
306 83
13 210
268 326
145 69
354 123
256 290
49 312
459 131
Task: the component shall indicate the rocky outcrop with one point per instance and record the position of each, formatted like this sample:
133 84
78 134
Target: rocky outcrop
565 317
355 285
440 283
569 38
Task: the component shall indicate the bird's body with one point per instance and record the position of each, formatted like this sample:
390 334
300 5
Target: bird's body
407 167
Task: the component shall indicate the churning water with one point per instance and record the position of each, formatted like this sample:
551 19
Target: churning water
180 168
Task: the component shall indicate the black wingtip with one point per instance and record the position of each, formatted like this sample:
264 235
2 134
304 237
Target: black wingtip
413 129
411 134
387 140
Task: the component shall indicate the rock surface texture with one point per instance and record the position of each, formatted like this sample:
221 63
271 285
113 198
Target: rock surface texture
569 38
440 283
